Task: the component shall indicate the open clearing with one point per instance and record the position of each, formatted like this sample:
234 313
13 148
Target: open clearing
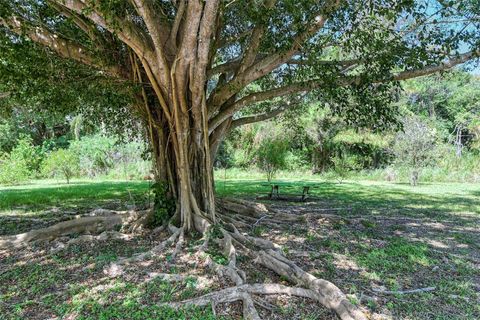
368 238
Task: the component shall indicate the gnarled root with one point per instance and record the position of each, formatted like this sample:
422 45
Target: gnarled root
104 221
322 291
326 292
244 293
243 213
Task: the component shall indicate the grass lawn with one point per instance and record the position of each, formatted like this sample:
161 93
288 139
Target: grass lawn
366 237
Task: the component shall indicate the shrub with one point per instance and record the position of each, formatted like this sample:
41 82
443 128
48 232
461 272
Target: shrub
62 162
164 204
30 154
13 169
8 136
21 163
271 156
344 164
95 153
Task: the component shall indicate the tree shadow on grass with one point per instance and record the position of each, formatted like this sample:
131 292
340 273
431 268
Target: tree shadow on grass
392 239
39 284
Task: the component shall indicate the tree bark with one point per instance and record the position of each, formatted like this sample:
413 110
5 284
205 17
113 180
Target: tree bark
182 161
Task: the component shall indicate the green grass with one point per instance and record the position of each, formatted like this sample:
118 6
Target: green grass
22 206
79 193
375 197
438 197
397 257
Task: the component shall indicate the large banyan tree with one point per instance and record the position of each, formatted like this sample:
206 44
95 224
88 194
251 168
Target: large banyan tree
203 67
201 64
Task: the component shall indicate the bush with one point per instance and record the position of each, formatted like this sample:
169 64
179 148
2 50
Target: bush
95 153
30 154
414 146
8 136
343 165
271 157
21 163
13 169
62 162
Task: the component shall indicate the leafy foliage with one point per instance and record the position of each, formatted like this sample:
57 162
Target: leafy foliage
13 169
344 164
21 163
164 204
96 153
271 155
415 145
62 162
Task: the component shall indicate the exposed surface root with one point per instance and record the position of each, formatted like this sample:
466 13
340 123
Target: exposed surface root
242 213
104 221
106 235
230 270
244 293
269 255
326 292
235 217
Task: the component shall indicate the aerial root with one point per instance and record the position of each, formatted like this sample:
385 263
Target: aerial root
99 221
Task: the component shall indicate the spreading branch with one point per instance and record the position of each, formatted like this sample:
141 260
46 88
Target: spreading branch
64 47
271 62
345 81
126 31
261 116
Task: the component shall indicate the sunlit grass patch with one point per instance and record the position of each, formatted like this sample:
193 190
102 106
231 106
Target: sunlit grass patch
397 256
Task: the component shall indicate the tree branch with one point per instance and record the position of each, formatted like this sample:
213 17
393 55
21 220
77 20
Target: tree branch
251 52
158 28
127 31
60 45
462 58
254 98
176 24
206 33
261 116
228 41
79 21
269 63
344 81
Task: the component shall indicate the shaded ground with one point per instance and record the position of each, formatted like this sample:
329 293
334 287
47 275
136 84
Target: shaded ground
364 237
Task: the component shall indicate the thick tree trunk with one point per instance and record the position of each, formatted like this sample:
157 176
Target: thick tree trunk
185 166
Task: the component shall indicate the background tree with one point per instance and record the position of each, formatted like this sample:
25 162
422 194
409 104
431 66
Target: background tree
452 100
271 155
322 130
61 163
414 146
